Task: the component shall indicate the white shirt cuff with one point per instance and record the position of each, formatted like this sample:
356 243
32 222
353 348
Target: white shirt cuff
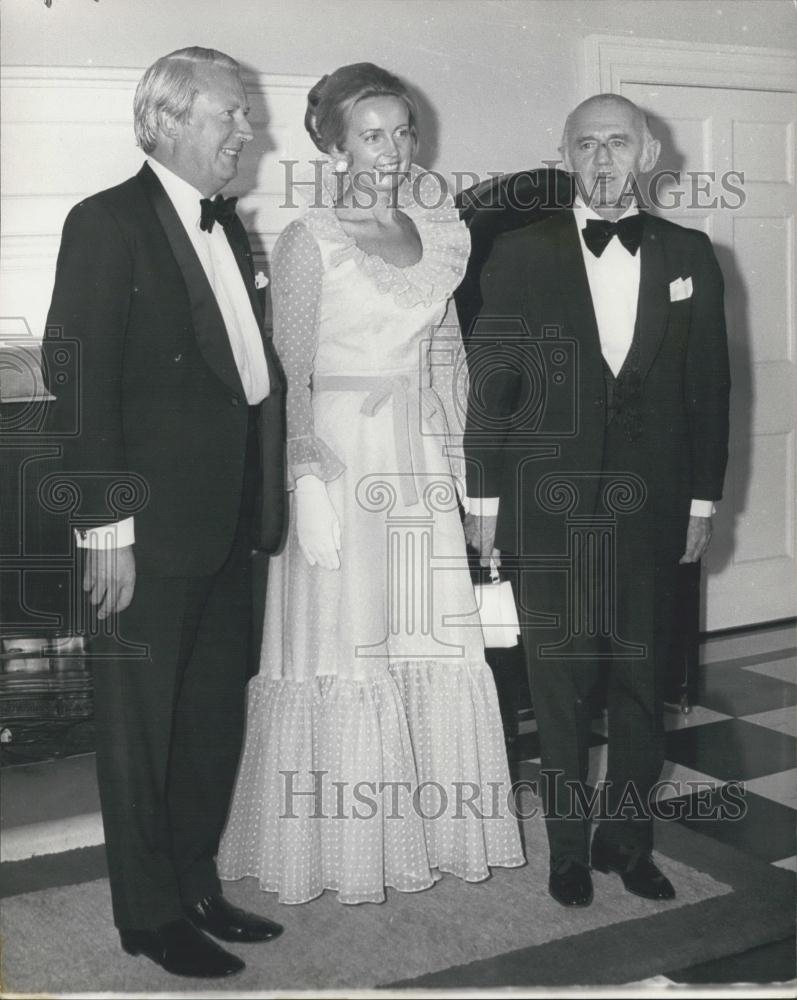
488 507
108 536
702 508
483 506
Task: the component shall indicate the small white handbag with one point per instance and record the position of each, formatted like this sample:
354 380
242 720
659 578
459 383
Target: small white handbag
497 611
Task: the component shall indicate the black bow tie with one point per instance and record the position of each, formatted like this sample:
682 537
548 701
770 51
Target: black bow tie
219 210
598 232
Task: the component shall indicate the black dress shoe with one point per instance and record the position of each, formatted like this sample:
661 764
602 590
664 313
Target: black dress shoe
635 867
182 949
570 883
223 920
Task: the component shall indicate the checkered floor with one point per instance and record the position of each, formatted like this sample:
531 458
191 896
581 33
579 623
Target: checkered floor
742 727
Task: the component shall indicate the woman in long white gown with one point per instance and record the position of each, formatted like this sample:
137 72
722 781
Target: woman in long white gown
374 751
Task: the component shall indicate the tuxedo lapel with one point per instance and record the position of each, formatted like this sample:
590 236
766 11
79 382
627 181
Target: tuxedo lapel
574 284
653 304
209 328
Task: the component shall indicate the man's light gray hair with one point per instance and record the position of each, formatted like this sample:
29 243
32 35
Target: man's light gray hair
169 87
640 118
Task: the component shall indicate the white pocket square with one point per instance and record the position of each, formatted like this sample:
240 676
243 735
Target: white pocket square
680 288
261 280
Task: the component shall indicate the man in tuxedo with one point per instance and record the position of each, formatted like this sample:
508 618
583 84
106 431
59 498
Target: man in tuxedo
596 441
181 399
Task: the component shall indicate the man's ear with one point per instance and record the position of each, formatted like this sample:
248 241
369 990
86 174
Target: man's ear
650 155
168 125
566 162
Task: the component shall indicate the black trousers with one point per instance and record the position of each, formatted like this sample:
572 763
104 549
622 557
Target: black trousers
169 727
637 596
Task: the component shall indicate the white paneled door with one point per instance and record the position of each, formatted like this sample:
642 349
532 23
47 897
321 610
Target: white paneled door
712 135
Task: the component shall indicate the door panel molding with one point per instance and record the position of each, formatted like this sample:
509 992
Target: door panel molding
612 60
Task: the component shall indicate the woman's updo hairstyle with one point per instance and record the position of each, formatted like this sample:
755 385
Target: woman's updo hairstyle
330 101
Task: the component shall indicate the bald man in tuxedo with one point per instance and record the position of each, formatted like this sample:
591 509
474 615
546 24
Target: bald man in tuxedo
597 440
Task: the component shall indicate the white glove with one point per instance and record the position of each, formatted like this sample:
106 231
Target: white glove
317 524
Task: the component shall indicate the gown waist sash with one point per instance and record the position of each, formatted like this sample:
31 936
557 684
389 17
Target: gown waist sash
405 389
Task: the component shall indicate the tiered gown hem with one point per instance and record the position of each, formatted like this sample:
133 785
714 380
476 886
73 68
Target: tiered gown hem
417 727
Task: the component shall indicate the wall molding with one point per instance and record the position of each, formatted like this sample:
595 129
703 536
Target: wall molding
68 132
612 60
115 77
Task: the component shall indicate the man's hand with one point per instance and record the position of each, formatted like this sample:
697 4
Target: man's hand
698 535
480 535
109 578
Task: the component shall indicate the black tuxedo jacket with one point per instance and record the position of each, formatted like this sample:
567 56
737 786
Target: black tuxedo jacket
160 405
539 403
495 207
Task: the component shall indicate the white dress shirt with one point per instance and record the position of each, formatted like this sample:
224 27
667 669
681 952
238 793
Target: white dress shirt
219 264
222 271
614 287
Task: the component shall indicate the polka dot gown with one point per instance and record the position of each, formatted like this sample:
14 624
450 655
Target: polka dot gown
374 752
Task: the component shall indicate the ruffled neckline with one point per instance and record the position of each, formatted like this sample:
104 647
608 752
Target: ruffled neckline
444 238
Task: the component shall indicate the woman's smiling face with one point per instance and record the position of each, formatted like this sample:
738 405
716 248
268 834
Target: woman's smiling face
379 142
